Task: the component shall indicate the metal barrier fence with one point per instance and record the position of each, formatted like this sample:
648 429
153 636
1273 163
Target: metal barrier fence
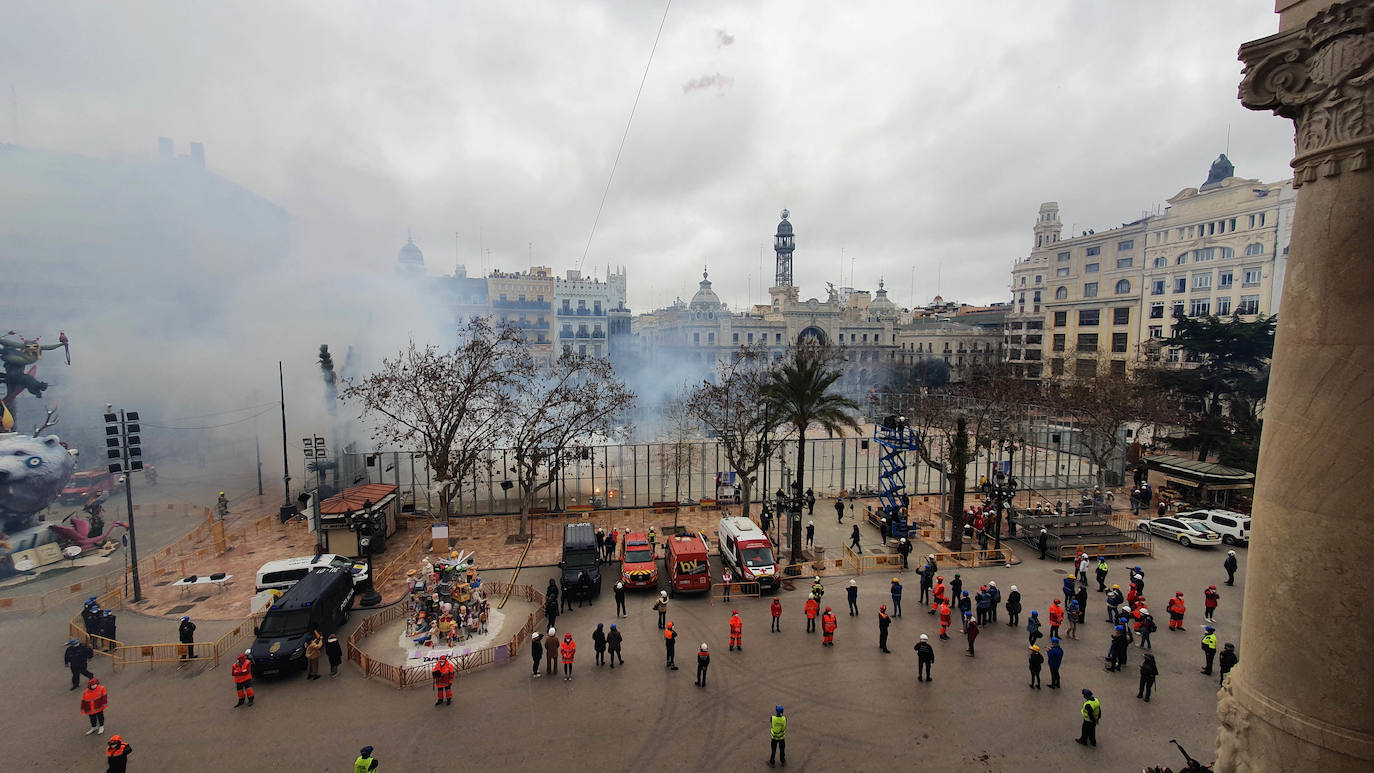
991 557
1108 549
409 676
728 590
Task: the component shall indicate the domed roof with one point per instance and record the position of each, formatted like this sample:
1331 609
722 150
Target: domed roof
881 305
705 298
410 256
784 227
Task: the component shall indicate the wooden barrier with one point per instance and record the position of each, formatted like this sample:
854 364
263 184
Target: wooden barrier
1109 549
972 558
728 590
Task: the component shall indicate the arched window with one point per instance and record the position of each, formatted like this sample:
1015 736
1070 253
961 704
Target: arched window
1253 249
1181 259
1123 287
1161 262
1061 293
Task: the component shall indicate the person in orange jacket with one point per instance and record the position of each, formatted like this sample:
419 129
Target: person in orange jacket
242 670
443 674
1175 608
776 609
117 754
813 608
939 595
670 644
944 620
828 625
93 701
568 650
1056 617
736 631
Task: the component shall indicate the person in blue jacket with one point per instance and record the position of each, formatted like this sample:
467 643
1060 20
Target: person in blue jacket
965 607
1033 626
852 591
982 602
896 597
1053 658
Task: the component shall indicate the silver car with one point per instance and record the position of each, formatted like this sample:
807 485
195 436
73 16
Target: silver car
1186 531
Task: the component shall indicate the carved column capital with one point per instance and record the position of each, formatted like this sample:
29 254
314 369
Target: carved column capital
1321 77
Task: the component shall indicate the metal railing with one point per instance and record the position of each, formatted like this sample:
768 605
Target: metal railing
726 591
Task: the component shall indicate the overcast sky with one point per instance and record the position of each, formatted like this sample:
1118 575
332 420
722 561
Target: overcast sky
918 138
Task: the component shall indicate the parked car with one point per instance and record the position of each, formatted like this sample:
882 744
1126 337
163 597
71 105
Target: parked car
320 601
1186 531
283 573
638 567
1233 527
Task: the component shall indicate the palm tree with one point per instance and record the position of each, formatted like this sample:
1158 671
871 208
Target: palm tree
800 393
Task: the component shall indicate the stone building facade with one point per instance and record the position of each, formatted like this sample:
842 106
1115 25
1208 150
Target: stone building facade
1110 297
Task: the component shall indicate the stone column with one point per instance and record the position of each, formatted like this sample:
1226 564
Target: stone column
1302 697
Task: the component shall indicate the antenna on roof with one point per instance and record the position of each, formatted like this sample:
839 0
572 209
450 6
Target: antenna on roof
1228 139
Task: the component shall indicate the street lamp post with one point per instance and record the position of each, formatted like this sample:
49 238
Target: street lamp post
124 451
316 453
360 524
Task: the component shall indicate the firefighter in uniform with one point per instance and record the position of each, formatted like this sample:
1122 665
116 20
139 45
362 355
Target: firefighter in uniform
736 631
828 625
568 649
94 699
443 674
242 671
117 755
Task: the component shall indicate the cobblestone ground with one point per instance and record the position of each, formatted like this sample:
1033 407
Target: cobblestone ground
850 707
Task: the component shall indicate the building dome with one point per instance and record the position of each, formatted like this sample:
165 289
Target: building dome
705 298
784 227
410 258
881 306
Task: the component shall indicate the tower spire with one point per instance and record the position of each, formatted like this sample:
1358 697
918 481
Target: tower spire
783 244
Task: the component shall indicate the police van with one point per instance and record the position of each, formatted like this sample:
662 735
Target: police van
321 601
745 548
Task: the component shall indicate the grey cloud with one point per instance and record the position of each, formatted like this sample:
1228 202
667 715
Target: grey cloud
715 80
724 39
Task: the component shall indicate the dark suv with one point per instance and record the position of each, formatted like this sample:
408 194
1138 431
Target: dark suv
579 555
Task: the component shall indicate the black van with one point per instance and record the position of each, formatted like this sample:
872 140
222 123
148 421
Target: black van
320 602
579 555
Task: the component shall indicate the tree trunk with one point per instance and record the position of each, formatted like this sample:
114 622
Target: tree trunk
745 492
801 468
959 462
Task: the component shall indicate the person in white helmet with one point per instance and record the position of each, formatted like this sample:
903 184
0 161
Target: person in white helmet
1231 567
925 658
550 652
703 663
661 607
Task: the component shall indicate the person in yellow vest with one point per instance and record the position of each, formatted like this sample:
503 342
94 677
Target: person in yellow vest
777 737
1092 714
1209 647
365 763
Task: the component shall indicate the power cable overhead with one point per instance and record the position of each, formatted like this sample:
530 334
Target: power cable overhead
624 136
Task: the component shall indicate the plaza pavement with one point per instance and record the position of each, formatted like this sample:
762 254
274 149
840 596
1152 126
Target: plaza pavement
850 707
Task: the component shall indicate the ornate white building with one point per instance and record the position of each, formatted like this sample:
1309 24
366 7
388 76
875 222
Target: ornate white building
703 330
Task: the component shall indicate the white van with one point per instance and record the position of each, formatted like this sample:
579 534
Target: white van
745 547
1233 527
284 573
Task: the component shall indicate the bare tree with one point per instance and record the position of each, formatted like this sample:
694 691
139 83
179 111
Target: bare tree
1103 406
733 407
447 403
679 451
577 399
950 427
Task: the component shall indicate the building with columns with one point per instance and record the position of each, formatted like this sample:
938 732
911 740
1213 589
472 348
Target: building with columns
698 332
1110 297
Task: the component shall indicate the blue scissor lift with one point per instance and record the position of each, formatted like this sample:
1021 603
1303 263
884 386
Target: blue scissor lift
893 440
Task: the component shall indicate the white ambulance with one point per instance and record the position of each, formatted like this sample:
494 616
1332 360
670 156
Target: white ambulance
746 549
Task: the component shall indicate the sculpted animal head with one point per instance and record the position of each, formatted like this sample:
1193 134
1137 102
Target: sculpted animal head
33 471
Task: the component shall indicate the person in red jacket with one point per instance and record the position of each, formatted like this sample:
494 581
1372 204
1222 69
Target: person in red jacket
828 625
93 701
242 671
939 597
1176 609
736 631
568 650
443 674
776 609
813 608
1056 617
944 620
1211 597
